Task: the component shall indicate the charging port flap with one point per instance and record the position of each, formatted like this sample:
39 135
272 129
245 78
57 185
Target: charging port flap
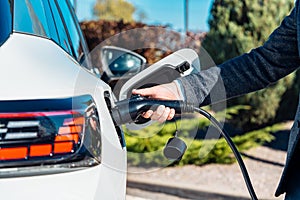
180 63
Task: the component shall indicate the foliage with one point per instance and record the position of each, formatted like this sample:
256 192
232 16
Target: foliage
237 26
145 146
114 10
153 42
232 112
264 105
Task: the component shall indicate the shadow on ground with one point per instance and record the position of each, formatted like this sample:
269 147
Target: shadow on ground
279 143
281 140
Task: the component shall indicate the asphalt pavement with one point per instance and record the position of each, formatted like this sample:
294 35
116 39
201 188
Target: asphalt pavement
210 182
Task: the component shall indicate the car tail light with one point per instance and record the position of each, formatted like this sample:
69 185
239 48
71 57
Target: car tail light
61 132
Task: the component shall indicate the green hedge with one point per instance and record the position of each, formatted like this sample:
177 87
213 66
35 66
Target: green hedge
145 146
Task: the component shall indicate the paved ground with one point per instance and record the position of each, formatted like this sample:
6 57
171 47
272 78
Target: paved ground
216 181
137 194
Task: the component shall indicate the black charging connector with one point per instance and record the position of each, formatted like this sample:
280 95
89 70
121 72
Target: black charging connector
129 110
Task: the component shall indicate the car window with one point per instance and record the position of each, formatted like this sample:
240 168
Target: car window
5 20
53 19
63 39
50 21
30 17
72 29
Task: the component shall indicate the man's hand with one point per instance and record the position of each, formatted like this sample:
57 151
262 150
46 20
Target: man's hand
168 91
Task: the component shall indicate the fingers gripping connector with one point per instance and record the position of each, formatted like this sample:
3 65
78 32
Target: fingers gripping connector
129 110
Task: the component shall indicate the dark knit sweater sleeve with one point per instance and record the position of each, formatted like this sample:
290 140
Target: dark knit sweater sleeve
249 72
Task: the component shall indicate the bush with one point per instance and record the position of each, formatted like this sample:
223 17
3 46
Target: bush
263 104
145 149
236 27
158 41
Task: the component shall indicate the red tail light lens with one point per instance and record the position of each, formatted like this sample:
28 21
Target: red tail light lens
13 153
40 150
67 127
47 132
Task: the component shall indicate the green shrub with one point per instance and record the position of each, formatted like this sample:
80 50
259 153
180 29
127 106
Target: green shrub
147 151
236 27
264 105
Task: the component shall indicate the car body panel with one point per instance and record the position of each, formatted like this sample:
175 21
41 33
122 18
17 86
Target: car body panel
92 183
37 68
27 60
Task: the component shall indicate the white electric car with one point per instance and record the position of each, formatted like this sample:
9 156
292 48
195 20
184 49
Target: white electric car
57 139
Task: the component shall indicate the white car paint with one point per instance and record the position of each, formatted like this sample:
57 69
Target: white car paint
36 68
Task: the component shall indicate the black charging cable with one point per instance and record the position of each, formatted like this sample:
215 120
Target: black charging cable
129 110
236 153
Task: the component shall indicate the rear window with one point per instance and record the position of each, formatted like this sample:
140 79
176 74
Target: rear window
30 18
5 20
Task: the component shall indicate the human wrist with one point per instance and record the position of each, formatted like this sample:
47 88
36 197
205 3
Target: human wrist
180 89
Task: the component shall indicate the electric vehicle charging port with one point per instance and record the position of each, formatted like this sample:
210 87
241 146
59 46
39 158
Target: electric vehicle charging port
117 128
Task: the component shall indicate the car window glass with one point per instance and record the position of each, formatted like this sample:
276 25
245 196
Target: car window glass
29 17
6 22
72 29
63 40
51 23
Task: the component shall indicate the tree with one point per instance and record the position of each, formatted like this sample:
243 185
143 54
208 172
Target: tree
141 15
237 26
114 10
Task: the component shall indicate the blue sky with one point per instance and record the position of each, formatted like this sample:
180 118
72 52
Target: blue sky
161 12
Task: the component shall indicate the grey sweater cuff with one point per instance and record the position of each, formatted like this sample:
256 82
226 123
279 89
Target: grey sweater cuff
180 89
203 88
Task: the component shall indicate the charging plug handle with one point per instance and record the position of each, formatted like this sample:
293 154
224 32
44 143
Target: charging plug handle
128 110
